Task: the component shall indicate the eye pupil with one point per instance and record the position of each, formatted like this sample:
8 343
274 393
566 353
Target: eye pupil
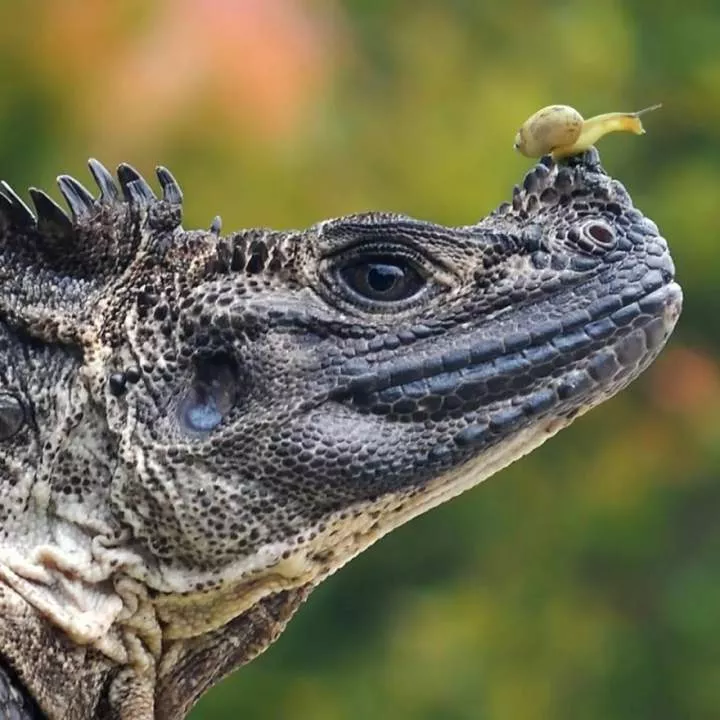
382 278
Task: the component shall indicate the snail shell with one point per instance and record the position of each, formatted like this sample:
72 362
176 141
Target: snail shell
560 131
551 127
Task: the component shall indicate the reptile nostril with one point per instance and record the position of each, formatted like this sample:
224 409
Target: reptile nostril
593 238
602 235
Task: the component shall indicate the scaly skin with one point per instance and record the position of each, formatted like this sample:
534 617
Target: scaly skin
195 430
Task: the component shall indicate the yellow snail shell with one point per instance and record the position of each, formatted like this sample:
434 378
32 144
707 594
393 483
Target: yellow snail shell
560 130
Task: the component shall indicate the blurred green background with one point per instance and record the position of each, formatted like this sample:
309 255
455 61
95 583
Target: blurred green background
584 581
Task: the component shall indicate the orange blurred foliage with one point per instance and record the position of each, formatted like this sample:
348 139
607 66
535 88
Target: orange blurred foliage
258 65
686 380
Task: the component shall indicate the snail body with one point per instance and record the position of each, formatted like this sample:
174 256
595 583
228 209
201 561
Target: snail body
561 131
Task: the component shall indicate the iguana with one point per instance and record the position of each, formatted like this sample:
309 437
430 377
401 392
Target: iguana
196 428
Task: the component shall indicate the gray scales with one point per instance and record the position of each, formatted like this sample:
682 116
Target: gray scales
196 429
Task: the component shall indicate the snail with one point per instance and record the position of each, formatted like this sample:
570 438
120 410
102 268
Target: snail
560 130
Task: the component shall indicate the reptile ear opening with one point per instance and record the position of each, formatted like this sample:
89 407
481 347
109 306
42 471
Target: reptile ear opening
211 396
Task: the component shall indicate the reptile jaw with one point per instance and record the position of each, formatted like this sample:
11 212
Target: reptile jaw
490 371
599 375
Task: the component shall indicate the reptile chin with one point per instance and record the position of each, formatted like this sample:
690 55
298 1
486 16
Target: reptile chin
497 384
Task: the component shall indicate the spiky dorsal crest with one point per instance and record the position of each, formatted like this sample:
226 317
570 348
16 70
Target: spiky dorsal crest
52 261
92 239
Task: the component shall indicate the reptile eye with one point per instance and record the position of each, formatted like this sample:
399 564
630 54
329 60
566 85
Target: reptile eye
383 279
212 395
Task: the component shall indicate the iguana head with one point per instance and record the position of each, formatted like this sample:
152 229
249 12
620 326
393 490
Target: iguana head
243 414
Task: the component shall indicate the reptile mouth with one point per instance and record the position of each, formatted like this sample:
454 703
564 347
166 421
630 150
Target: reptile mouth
604 344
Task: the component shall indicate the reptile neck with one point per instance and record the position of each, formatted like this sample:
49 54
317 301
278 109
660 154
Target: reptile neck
51 678
64 680
192 666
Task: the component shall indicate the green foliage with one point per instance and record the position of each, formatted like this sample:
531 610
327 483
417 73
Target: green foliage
583 582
